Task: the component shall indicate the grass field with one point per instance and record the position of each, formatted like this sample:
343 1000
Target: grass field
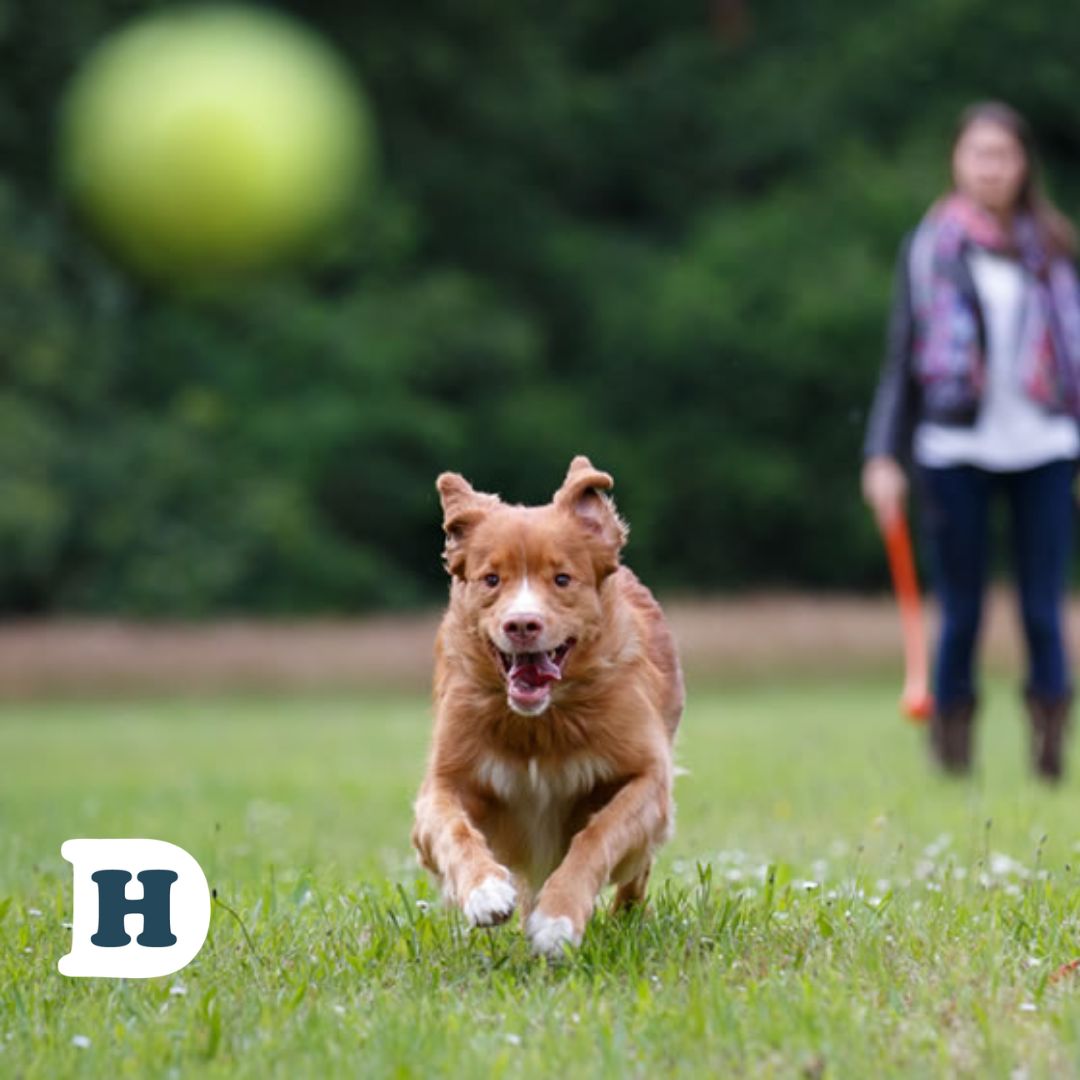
827 908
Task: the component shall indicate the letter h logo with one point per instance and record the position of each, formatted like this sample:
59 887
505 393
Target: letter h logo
174 908
113 905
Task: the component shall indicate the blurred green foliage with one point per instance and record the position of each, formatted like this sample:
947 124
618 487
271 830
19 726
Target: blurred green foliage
660 234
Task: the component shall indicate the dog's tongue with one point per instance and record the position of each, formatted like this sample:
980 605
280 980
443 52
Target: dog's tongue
534 669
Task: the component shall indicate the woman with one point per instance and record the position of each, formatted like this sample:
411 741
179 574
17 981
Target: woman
980 393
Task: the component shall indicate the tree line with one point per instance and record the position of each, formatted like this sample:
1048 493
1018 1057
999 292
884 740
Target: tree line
659 234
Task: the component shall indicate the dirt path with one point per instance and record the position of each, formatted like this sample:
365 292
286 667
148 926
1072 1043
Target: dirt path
751 637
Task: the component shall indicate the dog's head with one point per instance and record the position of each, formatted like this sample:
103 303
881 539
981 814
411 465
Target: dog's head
528 578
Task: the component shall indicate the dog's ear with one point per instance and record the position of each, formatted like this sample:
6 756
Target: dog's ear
463 508
583 495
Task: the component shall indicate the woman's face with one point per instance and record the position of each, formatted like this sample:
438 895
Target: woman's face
989 165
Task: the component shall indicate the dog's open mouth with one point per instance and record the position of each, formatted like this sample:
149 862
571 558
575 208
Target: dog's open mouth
529 676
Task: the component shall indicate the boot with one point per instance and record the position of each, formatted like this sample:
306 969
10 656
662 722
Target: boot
950 736
1049 722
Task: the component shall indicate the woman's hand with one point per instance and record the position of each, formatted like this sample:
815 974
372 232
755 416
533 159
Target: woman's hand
884 487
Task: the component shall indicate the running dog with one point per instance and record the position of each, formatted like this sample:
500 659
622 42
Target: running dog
558 692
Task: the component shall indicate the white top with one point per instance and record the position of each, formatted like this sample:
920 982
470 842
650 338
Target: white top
1012 432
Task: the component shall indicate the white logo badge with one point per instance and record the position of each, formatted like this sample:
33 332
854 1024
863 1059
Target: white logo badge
141 908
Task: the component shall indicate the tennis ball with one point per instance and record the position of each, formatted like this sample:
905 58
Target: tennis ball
209 140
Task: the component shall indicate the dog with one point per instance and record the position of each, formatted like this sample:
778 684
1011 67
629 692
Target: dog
557 692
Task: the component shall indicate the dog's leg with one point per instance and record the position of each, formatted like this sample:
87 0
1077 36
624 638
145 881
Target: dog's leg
631 892
452 847
635 820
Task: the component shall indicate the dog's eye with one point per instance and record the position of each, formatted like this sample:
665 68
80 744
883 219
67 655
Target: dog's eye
491 580
562 580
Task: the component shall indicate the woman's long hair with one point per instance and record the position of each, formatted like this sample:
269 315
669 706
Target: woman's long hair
1056 229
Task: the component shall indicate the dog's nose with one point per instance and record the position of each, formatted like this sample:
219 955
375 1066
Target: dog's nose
523 628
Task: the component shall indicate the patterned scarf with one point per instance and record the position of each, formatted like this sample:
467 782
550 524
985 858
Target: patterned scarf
949 358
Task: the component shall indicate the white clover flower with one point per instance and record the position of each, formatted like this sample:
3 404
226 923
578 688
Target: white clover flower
1003 866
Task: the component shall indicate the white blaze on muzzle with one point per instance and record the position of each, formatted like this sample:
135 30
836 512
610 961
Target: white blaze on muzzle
525 602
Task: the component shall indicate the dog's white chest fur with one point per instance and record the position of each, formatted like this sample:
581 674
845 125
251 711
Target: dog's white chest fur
540 798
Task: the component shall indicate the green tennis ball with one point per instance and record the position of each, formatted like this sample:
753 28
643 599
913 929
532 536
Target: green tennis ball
211 140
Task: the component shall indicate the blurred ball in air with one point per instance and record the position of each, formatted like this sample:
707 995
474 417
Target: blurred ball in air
212 140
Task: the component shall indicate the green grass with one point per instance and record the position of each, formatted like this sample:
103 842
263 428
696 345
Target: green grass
828 906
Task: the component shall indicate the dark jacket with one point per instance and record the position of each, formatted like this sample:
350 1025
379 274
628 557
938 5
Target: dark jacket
899 403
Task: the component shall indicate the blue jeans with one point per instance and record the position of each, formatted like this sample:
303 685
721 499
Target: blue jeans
955 518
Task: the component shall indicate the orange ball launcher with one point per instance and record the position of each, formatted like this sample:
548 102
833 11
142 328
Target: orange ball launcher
916 702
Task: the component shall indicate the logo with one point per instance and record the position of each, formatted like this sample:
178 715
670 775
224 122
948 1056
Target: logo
141 908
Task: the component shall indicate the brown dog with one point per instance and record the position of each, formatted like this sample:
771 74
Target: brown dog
557 693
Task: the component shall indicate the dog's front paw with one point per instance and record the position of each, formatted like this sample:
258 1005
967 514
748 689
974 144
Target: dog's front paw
549 935
490 903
